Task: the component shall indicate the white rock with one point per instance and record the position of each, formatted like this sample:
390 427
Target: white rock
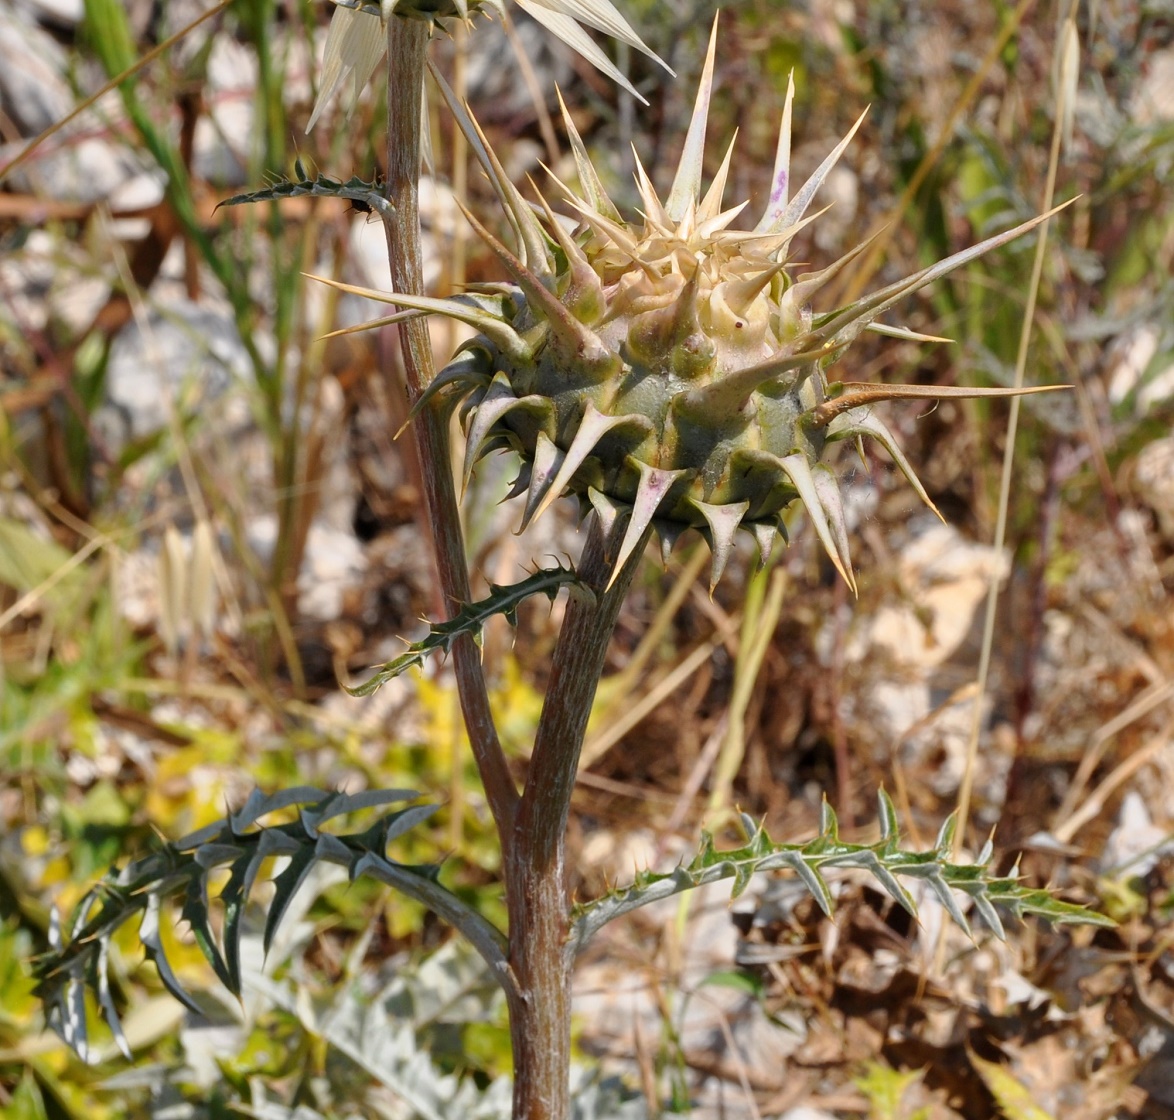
47 280
134 193
27 275
338 486
33 93
1131 353
1020 991
136 587
842 190
897 705
261 536
184 356
58 13
333 565
439 216
1153 480
945 578
220 147
936 747
79 164
1136 844
1153 100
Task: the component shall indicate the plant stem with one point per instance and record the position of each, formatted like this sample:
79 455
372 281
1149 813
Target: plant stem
532 828
407 45
534 859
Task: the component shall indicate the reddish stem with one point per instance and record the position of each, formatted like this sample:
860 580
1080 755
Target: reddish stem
407 44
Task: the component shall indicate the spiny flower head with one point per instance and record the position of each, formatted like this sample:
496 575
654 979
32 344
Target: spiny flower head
357 38
670 372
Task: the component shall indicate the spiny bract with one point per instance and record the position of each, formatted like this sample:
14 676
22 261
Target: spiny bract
669 373
357 38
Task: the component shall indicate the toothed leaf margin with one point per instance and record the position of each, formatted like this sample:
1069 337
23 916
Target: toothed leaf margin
884 860
471 619
181 871
368 195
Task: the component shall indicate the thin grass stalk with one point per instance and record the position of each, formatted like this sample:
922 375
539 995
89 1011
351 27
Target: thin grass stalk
654 635
760 617
296 442
533 88
407 45
460 160
637 709
966 791
761 609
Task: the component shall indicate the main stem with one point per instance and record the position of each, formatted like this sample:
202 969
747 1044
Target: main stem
407 46
536 892
533 827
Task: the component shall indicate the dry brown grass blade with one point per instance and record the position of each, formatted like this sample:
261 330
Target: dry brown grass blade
1096 800
1066 93
598 745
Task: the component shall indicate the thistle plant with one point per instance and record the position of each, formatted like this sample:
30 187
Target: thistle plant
670 374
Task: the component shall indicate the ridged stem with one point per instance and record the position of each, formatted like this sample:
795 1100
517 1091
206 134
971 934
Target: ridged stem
407 45
536 890
532 828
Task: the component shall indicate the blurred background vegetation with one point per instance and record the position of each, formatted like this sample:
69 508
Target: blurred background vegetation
206 527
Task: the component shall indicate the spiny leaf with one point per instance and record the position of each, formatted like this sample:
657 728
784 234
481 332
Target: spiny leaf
257 804
945 841
868 860
339 804
234 896
1044 904
471 618
989 915
368 196
196 913
181 871
285 886
397 824
889 825
150 936
883 860
829 824
812 879
99 978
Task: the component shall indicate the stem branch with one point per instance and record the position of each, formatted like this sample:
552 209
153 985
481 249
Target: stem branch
540 955
407 45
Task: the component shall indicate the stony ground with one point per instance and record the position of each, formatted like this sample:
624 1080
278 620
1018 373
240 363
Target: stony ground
206 528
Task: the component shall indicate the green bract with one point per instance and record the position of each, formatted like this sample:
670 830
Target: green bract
670 372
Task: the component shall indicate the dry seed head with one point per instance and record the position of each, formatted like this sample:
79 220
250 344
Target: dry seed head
670 372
